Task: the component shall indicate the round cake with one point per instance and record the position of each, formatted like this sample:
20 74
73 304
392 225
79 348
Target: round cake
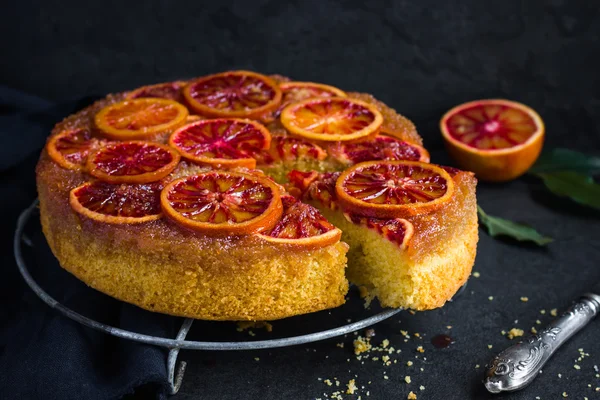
240 196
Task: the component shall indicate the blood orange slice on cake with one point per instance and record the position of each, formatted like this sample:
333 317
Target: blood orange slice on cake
285 148
302 225
223 203
233 94
499 140
331 119
71 148
221 142
132 162
140 118
379 148
117 204
390 189
167 90
294 92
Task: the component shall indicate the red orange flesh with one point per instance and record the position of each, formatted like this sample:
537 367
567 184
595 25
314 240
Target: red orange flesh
117 204
132 162
223 142
223 203
241 94
391 189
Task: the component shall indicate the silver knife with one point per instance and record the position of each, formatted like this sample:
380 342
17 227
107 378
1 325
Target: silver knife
518 365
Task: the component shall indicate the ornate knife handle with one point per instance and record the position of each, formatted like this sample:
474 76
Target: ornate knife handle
517 366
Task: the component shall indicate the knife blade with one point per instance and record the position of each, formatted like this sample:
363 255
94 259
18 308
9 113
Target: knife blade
518 365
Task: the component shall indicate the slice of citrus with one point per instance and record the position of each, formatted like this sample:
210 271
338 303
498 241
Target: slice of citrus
117 204
302 225
70 148
294 92
499 140
314 186
397 230
226 142
167 90
135 161
140 118
379 148
391 189
285 148
331 119
233 94
223 203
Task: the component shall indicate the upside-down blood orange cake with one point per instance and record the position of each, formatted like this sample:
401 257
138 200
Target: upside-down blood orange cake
240 196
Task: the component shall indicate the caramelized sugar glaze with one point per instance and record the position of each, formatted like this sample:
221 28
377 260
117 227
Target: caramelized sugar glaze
162 266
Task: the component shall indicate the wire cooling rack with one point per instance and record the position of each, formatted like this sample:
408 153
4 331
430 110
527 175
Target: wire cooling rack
175 372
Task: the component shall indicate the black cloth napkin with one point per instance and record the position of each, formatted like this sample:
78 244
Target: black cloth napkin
42 353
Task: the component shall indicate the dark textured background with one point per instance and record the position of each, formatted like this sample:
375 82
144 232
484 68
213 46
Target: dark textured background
419 57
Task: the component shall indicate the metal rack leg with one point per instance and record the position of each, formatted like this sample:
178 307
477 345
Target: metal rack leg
176 380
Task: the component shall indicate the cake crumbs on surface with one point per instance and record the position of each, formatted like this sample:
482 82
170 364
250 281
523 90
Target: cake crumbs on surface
412 396
351 386
409 363
476 366
420 349
533 330
490 298
448 326
537 321
407 379
361 345
385 377
564 394
524 299
560 375
542 312
489 346
328 382
476 274
411 312
421 387
251 333
576 366
340 345
243 325
385 343
554 312
256 358
417 334
515 332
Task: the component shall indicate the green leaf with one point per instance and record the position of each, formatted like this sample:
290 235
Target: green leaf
566 160
579 188
503 227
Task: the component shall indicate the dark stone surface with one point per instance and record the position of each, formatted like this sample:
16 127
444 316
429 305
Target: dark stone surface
419 57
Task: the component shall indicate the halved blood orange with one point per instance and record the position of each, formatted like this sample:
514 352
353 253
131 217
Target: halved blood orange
140 118
499 140
70 148
117 204
135 161
331 119
167 90
397 230
391 189
226 142
223 203
379 148
242 94
285 148
302 225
